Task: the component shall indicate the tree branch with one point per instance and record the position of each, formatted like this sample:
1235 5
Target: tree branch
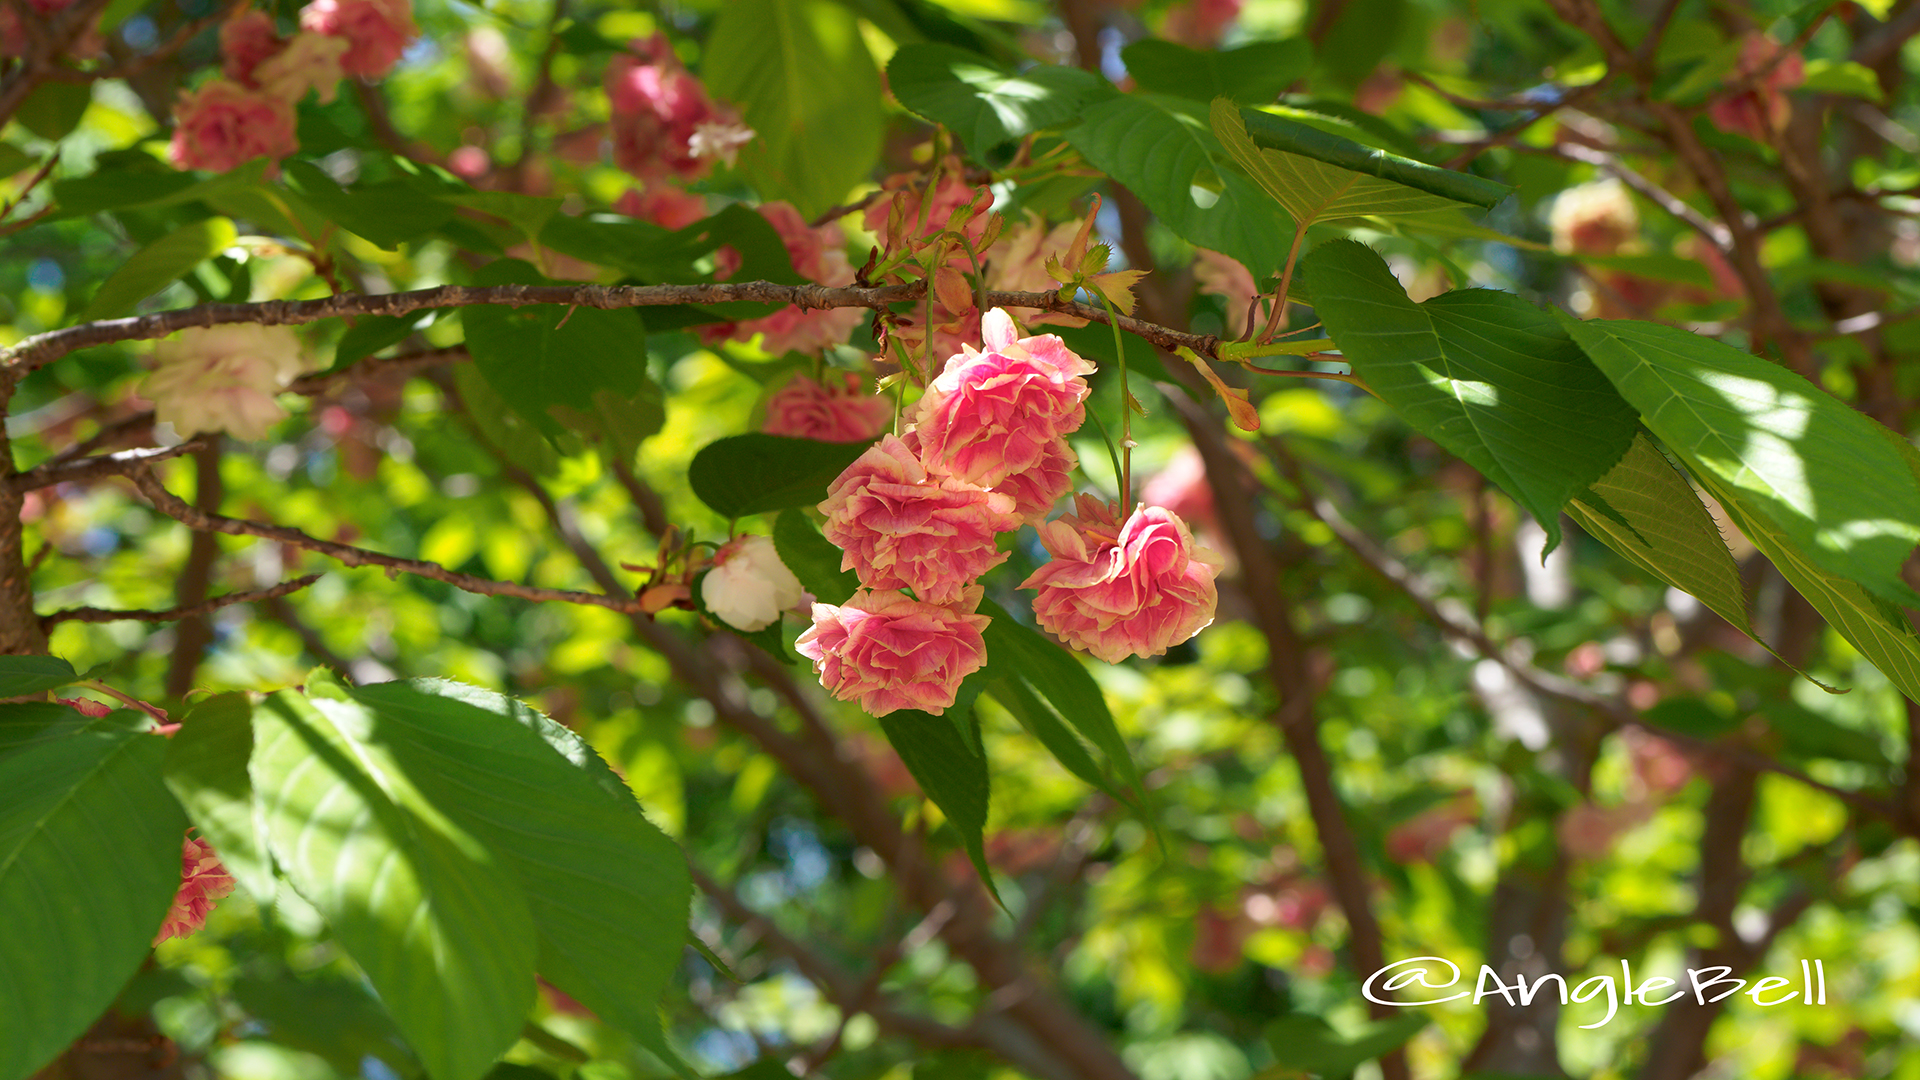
204 607
172 506
42 349
124 463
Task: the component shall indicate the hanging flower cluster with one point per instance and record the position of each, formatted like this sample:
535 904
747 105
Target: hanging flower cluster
202 881
248 112
664 124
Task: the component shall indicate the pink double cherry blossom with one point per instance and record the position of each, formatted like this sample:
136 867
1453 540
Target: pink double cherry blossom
1123 589
889 651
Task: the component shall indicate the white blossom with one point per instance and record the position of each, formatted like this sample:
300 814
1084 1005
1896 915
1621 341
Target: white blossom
749 586
223 378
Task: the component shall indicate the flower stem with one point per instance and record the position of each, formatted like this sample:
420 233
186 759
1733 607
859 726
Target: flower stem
1126 409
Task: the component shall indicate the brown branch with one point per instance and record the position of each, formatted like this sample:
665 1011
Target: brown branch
195 632
187 611
47 45
172 506
42 349
79 470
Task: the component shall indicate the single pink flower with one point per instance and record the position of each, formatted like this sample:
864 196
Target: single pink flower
1037 488
900 528
889 651
841 411
223 125
377 31
664 204
818 255
245 40
663 120
992 414
202 881
1759 107
1118 590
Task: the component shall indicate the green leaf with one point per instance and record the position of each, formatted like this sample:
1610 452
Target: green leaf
1161 149
1059 678
206 769
1365 183
623 423
812 558
1295 139
952 773
1485 374
528 213
53 109
608 891
438 925
518 440
1849 77
336 1019
984 102
543 355
807 86
1251 74
23 675
755 473
1306 1043
1662 528
13 159
1362 34
385 214
1807 734
158 265
26 724
1044 724
659 256
1876 627
89 862
1691 716
1826 479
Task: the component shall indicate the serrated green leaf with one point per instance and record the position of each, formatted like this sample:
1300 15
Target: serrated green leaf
158 265
1159 147
438 925
1663 529
1485 374
622 422
1058 677
23 675
543 355
608 891
1876 627
1312 189
984 102
206 769
952 773
89 862
1821 474
336 1019
1250 74
755 473
812 558
804 81
1040 721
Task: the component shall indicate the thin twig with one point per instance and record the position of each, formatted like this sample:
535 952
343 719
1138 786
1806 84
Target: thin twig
123 463
36 352
172 506
204 607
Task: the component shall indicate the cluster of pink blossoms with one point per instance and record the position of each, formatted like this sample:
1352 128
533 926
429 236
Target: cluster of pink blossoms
820 256
248 112
664 124
988 453
841 411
